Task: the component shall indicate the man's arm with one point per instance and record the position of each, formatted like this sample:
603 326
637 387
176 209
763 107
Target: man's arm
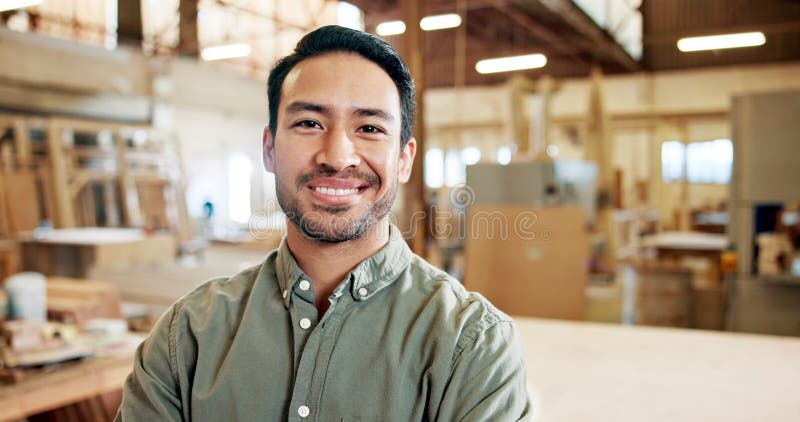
151 391
488 379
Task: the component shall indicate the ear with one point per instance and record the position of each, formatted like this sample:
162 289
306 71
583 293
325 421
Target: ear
407 160
268 150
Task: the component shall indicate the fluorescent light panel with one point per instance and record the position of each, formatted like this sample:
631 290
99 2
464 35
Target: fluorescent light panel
507 64
428 23
222 52
432 23
17 4
718 42
390 28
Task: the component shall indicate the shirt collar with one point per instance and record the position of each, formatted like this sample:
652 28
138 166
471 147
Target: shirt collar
368 277
288 272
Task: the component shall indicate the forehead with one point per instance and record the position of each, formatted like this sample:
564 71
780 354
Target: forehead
341 81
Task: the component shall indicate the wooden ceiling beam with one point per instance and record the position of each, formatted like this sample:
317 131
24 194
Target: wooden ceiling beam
374 17
543 32
188 38
129 22
442 73
279 23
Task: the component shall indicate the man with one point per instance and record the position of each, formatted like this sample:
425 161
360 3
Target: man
342 322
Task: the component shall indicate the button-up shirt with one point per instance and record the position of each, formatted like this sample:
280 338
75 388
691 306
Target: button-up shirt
401 341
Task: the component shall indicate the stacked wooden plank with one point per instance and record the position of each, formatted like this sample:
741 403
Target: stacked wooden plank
77 301
72 305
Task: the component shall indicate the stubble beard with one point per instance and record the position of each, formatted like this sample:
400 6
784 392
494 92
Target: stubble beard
333 224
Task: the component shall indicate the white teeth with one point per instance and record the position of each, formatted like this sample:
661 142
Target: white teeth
338 192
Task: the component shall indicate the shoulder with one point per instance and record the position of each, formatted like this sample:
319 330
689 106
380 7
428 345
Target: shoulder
483 363
223 297
468 313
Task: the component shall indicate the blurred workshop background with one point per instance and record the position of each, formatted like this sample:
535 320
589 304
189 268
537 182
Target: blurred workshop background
620 176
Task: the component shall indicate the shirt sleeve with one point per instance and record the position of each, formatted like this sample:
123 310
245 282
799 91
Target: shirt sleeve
488 381
151 391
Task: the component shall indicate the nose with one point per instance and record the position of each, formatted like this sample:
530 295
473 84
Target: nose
338 151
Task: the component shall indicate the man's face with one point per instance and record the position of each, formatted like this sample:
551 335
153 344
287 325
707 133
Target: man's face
336 152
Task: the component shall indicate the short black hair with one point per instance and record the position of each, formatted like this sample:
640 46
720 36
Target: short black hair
334 38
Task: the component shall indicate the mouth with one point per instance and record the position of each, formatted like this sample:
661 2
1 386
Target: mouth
337 192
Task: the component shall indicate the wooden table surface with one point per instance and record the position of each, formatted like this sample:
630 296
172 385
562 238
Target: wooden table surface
71 383
581 371
577 372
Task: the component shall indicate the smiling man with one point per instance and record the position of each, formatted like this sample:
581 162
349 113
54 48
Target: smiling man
342 322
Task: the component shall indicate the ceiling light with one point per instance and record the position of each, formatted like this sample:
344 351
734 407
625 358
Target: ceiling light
222 52
432 23
507 64
717 42
17 4
390 28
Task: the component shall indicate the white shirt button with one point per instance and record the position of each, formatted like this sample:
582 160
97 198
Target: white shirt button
285 294
305 323
303 411
304 285
363 292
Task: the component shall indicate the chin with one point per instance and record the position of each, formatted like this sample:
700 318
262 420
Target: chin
333 231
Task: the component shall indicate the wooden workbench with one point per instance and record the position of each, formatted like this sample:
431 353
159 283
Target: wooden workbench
577 372
580 371
68 384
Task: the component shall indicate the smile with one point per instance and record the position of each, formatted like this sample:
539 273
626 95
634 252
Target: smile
335 192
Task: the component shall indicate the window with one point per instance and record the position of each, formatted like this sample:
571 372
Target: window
239 171
455 172
91 22
504 155
672 161
470 155
620 18
698 162
709 162
434 168
449 168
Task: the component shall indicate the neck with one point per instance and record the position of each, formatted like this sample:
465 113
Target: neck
328 263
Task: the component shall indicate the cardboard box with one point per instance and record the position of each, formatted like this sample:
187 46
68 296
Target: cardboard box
529 261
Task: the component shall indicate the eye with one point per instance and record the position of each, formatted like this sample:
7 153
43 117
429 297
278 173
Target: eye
309 124
371 129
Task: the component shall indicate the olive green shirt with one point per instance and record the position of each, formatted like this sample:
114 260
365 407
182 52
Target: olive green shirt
401 341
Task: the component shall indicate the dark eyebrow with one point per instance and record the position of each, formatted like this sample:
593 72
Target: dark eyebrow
299 106
374 112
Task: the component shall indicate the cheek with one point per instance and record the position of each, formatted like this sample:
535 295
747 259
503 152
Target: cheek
289 158
381 161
